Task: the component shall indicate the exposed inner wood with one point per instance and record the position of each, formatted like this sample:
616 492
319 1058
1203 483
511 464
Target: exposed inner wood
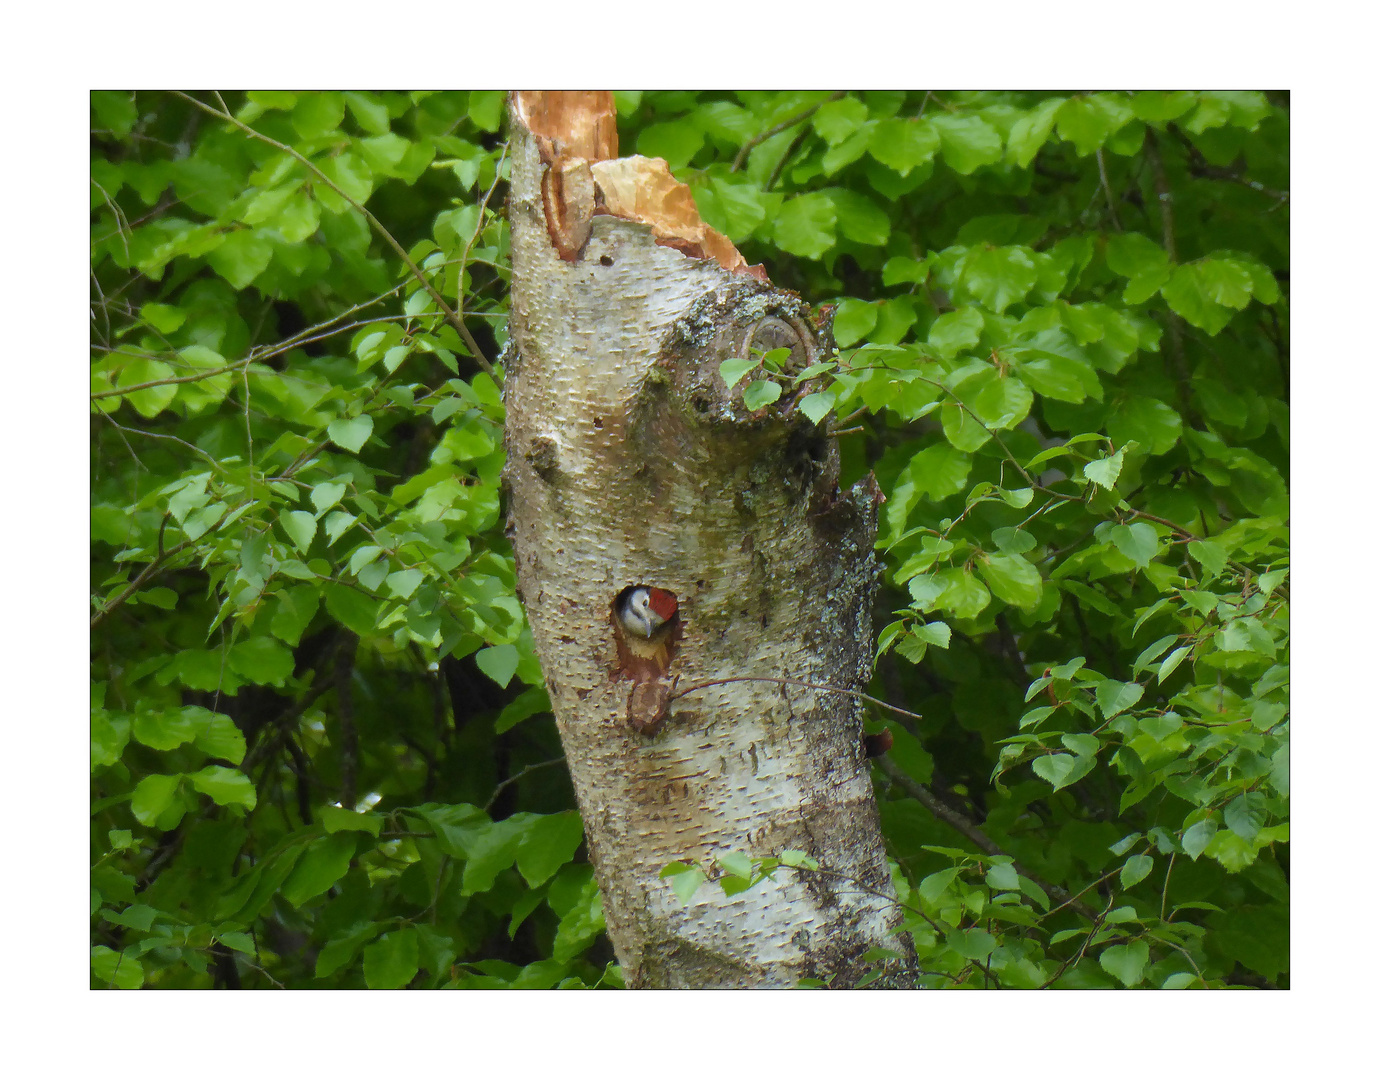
578 139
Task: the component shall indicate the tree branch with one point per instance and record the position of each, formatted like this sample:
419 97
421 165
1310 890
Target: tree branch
796 682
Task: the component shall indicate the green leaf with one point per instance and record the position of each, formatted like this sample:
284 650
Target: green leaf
903 145
1059 769
1245 815
336 819
353 608
805 225
935 633
963 430
972 944
1211 556
164 729
676 141
837 120
964 596
760 394
152 796
955 331
1151 423
736 863
226 787
1031 132
853 321
262 660
1126 962
933 886
1012 578
352 434
318 113
1172 661
1105 471
121 970
1196 839
967 142
1114 698
499 662
403 583
1013 541
1138 542
368 111
1003 878
391 962
997 277
324 862
548 844
531 702
300 527
684 884
1090 121
859 219
241 257
115 111
217 735
1136 869
326 494
581 923
817 405
733 369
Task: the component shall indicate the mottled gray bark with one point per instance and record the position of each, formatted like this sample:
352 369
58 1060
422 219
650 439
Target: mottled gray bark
630 462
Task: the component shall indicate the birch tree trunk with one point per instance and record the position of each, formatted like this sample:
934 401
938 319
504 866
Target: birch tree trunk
631 463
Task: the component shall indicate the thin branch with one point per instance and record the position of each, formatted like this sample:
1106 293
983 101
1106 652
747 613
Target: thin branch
451 317
797 682
757 140
781 163
1107 189
518 776
349 740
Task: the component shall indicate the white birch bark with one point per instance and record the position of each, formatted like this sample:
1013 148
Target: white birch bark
630 462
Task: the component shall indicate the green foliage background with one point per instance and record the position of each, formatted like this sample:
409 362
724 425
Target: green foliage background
321 752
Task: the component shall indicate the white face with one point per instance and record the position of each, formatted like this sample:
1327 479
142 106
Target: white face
639 615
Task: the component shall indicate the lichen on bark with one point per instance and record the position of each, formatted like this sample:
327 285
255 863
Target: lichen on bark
631 462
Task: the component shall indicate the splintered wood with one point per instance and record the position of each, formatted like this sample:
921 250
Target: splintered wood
575 131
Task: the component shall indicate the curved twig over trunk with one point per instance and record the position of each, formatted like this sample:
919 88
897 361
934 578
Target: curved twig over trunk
631 463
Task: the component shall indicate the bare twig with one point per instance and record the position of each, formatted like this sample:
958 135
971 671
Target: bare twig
797 682
1107 188
518 776
349 740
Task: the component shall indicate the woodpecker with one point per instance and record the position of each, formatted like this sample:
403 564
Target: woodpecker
645 610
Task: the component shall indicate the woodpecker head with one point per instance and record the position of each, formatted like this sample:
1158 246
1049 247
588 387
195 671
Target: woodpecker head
645 610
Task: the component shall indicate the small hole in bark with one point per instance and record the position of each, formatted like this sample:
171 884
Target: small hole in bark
605 260
701 406
599 422
647 631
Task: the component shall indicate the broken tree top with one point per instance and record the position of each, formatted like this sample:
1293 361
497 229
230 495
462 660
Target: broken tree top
576 133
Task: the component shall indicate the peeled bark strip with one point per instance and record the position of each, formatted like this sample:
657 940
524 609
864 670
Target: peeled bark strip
631 463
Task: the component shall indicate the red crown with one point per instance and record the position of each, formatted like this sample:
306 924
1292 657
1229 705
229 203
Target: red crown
662 602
